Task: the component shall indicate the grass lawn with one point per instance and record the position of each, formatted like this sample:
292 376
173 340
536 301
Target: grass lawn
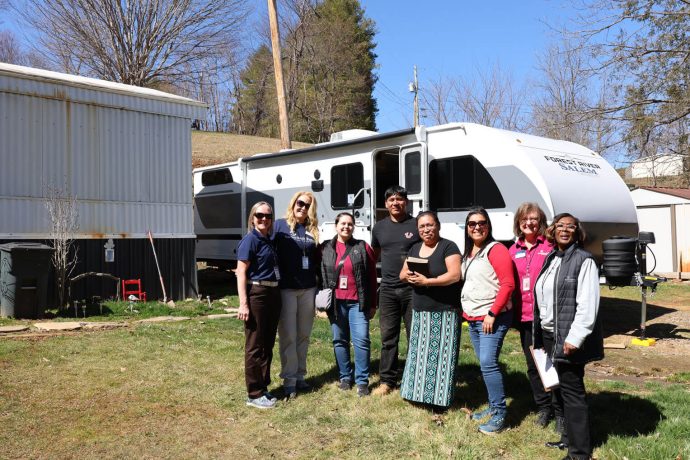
176 390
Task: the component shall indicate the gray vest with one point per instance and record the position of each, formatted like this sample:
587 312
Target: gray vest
565 307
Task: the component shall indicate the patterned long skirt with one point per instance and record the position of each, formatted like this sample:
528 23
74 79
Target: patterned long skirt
432 357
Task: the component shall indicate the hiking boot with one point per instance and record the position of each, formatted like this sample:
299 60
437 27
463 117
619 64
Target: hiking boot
344 385
556 445
482 414
362 390
544 416
496 423
303 386
270 396
382 390
261 403
290 392
560 425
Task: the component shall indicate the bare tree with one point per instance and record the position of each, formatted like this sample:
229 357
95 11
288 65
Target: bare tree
63 214
436 101
10 49
138 42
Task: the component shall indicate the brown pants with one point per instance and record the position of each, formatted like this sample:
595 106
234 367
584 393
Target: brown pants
260 336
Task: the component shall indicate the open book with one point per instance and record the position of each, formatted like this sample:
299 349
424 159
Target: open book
547 371
417 265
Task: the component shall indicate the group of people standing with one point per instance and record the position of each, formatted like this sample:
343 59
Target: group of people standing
545 285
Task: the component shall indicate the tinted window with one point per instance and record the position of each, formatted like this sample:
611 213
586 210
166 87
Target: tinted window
457 184
346 180
216 177
413 173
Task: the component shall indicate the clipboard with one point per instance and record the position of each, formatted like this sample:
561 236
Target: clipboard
546 369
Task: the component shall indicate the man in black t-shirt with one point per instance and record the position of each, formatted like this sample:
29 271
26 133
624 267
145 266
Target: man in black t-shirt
392 238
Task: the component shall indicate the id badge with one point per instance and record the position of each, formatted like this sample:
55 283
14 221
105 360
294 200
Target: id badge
525 283
342 282
277 272
305 263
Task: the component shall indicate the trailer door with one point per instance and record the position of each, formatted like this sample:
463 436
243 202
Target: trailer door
413 176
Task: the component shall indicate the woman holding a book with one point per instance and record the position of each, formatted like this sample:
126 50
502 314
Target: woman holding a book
487 307
528 253
433 270
567 326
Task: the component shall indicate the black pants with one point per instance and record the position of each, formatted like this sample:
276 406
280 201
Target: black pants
260 336
541 398
394 305
572 400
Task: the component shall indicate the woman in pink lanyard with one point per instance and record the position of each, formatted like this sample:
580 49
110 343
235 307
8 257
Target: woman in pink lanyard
528 253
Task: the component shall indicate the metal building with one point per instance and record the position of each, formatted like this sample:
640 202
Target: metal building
124 154
666 212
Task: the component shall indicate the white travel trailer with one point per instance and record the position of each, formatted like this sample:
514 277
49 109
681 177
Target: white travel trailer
447 169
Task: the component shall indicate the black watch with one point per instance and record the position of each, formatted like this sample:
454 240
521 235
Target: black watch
491 314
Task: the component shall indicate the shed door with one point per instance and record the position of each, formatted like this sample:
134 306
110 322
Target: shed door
413 176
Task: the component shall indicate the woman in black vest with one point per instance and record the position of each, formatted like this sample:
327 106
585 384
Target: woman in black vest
348 267
567 326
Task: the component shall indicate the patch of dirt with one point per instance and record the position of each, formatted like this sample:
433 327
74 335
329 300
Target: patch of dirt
668 325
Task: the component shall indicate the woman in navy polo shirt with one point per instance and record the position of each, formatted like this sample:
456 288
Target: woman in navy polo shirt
296 238
257 285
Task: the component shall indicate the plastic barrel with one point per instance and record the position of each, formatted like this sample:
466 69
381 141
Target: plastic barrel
619 260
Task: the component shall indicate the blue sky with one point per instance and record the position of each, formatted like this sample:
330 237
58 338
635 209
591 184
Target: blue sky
454 38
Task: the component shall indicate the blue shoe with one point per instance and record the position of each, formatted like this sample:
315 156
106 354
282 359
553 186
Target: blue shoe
477 416
496 423
261 403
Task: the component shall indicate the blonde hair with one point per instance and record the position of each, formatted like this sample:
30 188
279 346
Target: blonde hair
312 221
256 206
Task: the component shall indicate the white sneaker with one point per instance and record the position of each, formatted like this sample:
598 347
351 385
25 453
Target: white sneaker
261 403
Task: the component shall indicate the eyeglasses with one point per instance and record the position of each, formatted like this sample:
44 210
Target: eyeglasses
480 224
524 220
569 227
302 204
261 215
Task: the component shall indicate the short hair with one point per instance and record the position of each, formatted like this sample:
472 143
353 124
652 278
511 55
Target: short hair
432 214
522 211
468 241
256 206
395 190
580 233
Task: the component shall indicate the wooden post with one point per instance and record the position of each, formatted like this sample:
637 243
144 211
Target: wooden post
278 69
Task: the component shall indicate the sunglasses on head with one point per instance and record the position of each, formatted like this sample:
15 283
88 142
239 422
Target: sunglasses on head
261 215
473 224
302 204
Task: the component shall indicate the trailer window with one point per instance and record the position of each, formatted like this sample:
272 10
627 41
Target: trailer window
413 173
216 177
459 183
346 180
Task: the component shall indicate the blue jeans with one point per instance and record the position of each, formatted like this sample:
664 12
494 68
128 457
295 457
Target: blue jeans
487 347
348 322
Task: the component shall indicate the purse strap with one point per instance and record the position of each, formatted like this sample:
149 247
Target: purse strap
348 249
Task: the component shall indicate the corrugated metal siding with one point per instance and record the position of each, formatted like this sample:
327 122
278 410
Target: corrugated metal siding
52 85
130 171
134 259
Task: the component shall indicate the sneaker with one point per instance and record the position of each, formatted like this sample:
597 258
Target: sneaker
560 425
495 424
362 390
344 385
270 396
477 416
303 386
544 416
382 390
261 403
290 392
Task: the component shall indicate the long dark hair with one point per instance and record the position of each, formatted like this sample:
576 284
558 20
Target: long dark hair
489 237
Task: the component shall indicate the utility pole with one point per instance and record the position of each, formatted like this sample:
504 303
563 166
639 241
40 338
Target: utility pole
414 88
278 69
